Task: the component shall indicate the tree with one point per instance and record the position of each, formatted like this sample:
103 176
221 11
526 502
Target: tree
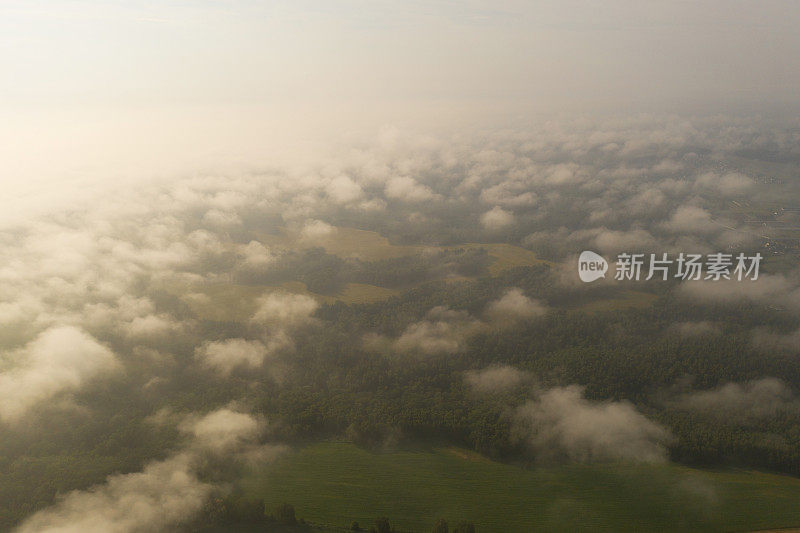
285 514
382 525
464 527
441 526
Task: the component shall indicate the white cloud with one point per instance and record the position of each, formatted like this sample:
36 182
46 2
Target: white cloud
497 218
768 289
278 314
443 331
407 189
59 360
153 328
495 378
610 241
342 190
284 309
728 184
165 493
754 399
514 305
229 354
562 425
255 256
314 229
223 220
158 498
764 339
691 219
223 430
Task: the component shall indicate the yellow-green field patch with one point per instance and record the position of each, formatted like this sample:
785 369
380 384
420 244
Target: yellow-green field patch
360 293
344 242
504 256
237 302
625 300
372 246
230 301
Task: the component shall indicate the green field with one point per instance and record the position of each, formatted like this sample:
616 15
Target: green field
334 483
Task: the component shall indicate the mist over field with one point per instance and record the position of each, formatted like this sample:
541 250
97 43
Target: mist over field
285 267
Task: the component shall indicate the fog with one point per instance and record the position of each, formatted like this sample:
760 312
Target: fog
97 93
230 230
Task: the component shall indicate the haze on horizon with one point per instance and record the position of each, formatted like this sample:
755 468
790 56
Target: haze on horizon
111 92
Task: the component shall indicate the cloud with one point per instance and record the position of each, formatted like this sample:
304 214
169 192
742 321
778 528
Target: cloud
728 184
314 229
111 267
562 425
757 399
278 314
769 289
611 241
60 359
497 218
255 256
442 332
223 430
509 195
153 328
407 189
278 310
227 355
513 306
646 201
764 339
690 219
499 378
158 498
222 220
165 493
342 190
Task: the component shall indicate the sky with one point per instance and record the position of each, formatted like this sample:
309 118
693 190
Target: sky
245 52
114 90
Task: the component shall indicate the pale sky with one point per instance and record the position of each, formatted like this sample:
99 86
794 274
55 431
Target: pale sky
550 53
115 88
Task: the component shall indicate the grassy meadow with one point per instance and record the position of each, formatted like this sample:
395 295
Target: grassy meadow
334 483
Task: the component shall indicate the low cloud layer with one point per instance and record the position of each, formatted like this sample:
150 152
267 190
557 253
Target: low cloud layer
159 497
227 355
443 331
59 360
283 310
222 431
514 306
500 378
765 339
775 290
497 218
163 495
757 399
278 314
109 267
561 425
133 269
